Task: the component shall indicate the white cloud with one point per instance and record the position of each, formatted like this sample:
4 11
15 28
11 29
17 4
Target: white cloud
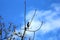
46 16
50 23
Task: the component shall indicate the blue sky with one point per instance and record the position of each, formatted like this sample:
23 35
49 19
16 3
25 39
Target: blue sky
47 11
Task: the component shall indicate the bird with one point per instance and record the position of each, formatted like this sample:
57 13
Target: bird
28 25
0 32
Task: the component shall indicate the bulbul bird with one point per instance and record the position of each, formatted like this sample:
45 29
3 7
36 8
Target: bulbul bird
28 25
0 32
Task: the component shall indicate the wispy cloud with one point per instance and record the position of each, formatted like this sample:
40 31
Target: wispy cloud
47 16
50 18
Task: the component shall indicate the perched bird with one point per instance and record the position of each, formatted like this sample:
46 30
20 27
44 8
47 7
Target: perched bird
0 32
28 25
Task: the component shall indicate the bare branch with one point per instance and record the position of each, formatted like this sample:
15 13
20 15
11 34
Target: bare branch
22 38
33 16
37 29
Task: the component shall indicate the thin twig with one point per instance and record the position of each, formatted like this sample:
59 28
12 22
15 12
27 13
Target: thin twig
33 36
37 29
24 20
33 16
